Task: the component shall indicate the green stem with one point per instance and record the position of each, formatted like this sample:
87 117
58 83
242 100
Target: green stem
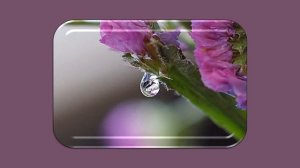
179 74
224 115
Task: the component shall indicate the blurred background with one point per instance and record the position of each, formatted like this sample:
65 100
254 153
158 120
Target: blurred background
98 102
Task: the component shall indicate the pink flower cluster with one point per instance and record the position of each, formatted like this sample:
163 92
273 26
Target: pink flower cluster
213 54
124 35
130 35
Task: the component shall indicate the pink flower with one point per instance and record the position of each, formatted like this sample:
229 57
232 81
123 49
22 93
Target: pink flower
214 57
124 35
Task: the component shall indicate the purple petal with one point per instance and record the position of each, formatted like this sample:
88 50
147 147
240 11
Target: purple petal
169 38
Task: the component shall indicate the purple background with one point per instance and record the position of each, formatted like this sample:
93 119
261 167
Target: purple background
26 35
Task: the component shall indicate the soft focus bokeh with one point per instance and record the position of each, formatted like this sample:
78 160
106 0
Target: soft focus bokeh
98 102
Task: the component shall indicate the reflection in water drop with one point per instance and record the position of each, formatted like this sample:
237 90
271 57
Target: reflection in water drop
149 85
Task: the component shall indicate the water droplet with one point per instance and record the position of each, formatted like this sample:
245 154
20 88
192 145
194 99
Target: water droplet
149 85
